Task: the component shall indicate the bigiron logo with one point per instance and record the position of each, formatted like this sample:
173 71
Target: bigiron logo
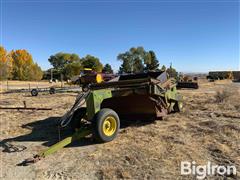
202 171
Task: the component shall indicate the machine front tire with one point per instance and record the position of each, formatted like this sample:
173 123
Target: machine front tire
106 125
77 117
85 88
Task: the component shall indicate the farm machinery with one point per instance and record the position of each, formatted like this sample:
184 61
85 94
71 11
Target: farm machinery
100 110
187 82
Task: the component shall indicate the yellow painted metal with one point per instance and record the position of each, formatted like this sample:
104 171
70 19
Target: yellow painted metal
99 78
109 126
87 69
180 105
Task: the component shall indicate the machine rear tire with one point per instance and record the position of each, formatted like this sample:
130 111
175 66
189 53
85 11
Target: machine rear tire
106 125
34 92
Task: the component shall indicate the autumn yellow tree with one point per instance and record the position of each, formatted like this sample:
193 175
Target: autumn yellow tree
5 64
23 66
35 72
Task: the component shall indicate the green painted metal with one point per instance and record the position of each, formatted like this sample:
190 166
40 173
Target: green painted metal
94 101
171 94
172 97
76 136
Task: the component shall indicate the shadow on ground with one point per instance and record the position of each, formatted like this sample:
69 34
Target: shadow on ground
42 130
47 130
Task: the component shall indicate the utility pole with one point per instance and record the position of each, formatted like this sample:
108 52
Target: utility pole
51 75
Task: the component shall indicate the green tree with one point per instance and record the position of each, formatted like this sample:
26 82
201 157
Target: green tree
126 66
92 62
107 68
151 61
72 69
163 68
172 72
132 60
59 60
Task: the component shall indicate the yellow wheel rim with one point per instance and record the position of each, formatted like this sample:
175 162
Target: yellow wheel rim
109 126
180 105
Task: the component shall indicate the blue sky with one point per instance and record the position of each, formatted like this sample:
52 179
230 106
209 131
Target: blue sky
196 35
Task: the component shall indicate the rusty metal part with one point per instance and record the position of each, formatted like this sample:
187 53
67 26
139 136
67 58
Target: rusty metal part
29 161
190 85
10 148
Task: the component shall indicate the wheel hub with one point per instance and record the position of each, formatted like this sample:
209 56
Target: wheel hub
109 126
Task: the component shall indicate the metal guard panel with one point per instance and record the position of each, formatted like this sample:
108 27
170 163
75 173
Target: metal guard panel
94 101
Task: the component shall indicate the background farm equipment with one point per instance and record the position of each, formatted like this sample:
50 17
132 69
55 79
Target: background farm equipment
146 96
220 75
187 82
50 90
53 90
188 85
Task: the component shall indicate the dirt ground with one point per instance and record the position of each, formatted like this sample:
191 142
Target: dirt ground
207 130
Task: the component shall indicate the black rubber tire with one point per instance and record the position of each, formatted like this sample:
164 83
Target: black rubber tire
52 90
77 117
178 106
34 92
98 124
85 88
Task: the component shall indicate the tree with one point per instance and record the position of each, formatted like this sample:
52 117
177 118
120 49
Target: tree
132 60
35 72
107 68
65 65
151 61
172 72
72 69
92 62
125 67
23 66
59 60
163 68
5 64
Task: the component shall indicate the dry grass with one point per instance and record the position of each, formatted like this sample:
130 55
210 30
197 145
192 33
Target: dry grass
222 96
205 131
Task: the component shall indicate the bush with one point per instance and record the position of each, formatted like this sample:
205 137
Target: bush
221 96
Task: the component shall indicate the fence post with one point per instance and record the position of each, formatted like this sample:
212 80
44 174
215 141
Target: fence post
7 85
